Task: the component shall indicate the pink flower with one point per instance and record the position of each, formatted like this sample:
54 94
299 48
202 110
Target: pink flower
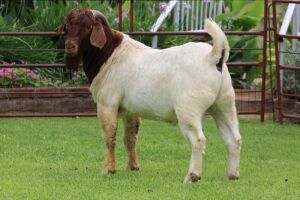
14 73
33 75
8 71
163 6
2 74
27 71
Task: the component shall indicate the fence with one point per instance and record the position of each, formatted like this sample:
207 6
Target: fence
287 61
250 100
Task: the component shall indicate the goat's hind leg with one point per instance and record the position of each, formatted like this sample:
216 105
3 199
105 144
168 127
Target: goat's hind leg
227 124
191 127
131 127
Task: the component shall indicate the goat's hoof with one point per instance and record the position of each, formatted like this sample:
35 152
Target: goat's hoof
192 178
108 171
233 177
133 168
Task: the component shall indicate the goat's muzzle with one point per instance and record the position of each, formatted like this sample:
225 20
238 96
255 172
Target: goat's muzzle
72 55
71 48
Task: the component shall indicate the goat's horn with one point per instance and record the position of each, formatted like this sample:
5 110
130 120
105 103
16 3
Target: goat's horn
99 16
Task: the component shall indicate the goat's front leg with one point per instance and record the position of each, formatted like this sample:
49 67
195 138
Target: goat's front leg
131 128
108 119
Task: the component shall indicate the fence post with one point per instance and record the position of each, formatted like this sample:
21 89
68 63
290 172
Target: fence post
278 70
120 15
131 16
176 16
264 63
295 25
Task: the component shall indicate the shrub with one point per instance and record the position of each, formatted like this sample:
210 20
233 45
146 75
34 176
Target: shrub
292 78
243 16
18 77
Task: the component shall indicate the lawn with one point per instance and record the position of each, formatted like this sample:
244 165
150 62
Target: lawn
61 158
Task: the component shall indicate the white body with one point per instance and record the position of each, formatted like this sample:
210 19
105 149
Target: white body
153 83
177 84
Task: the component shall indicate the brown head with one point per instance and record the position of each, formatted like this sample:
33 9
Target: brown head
83 28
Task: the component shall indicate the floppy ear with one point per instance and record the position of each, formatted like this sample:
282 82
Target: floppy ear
58 30
61 28
98 37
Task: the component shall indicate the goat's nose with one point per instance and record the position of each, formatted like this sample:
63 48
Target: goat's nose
70 46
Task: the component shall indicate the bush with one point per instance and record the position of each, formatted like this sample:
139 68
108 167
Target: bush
292 78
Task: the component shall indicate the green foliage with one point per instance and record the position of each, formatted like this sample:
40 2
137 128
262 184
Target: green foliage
292 78
61 158
243 16
22 77
145 15
12 42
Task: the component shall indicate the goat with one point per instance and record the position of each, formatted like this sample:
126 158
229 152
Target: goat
178 85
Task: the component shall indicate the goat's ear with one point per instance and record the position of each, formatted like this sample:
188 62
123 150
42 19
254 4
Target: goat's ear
58 30
98 37
61 28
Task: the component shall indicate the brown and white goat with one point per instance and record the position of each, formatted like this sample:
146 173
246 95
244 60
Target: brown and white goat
178 85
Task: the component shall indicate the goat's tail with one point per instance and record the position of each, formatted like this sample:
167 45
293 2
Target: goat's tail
220 50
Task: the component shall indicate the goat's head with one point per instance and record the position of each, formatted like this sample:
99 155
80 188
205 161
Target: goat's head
83 28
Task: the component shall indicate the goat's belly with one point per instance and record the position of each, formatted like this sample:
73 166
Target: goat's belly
150 108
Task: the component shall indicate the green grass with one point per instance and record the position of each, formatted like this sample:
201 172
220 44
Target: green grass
61 158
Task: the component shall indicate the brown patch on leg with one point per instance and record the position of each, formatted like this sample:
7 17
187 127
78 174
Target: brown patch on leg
109 163
109 126
131 125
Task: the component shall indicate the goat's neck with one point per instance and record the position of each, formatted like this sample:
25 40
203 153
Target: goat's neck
94 58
